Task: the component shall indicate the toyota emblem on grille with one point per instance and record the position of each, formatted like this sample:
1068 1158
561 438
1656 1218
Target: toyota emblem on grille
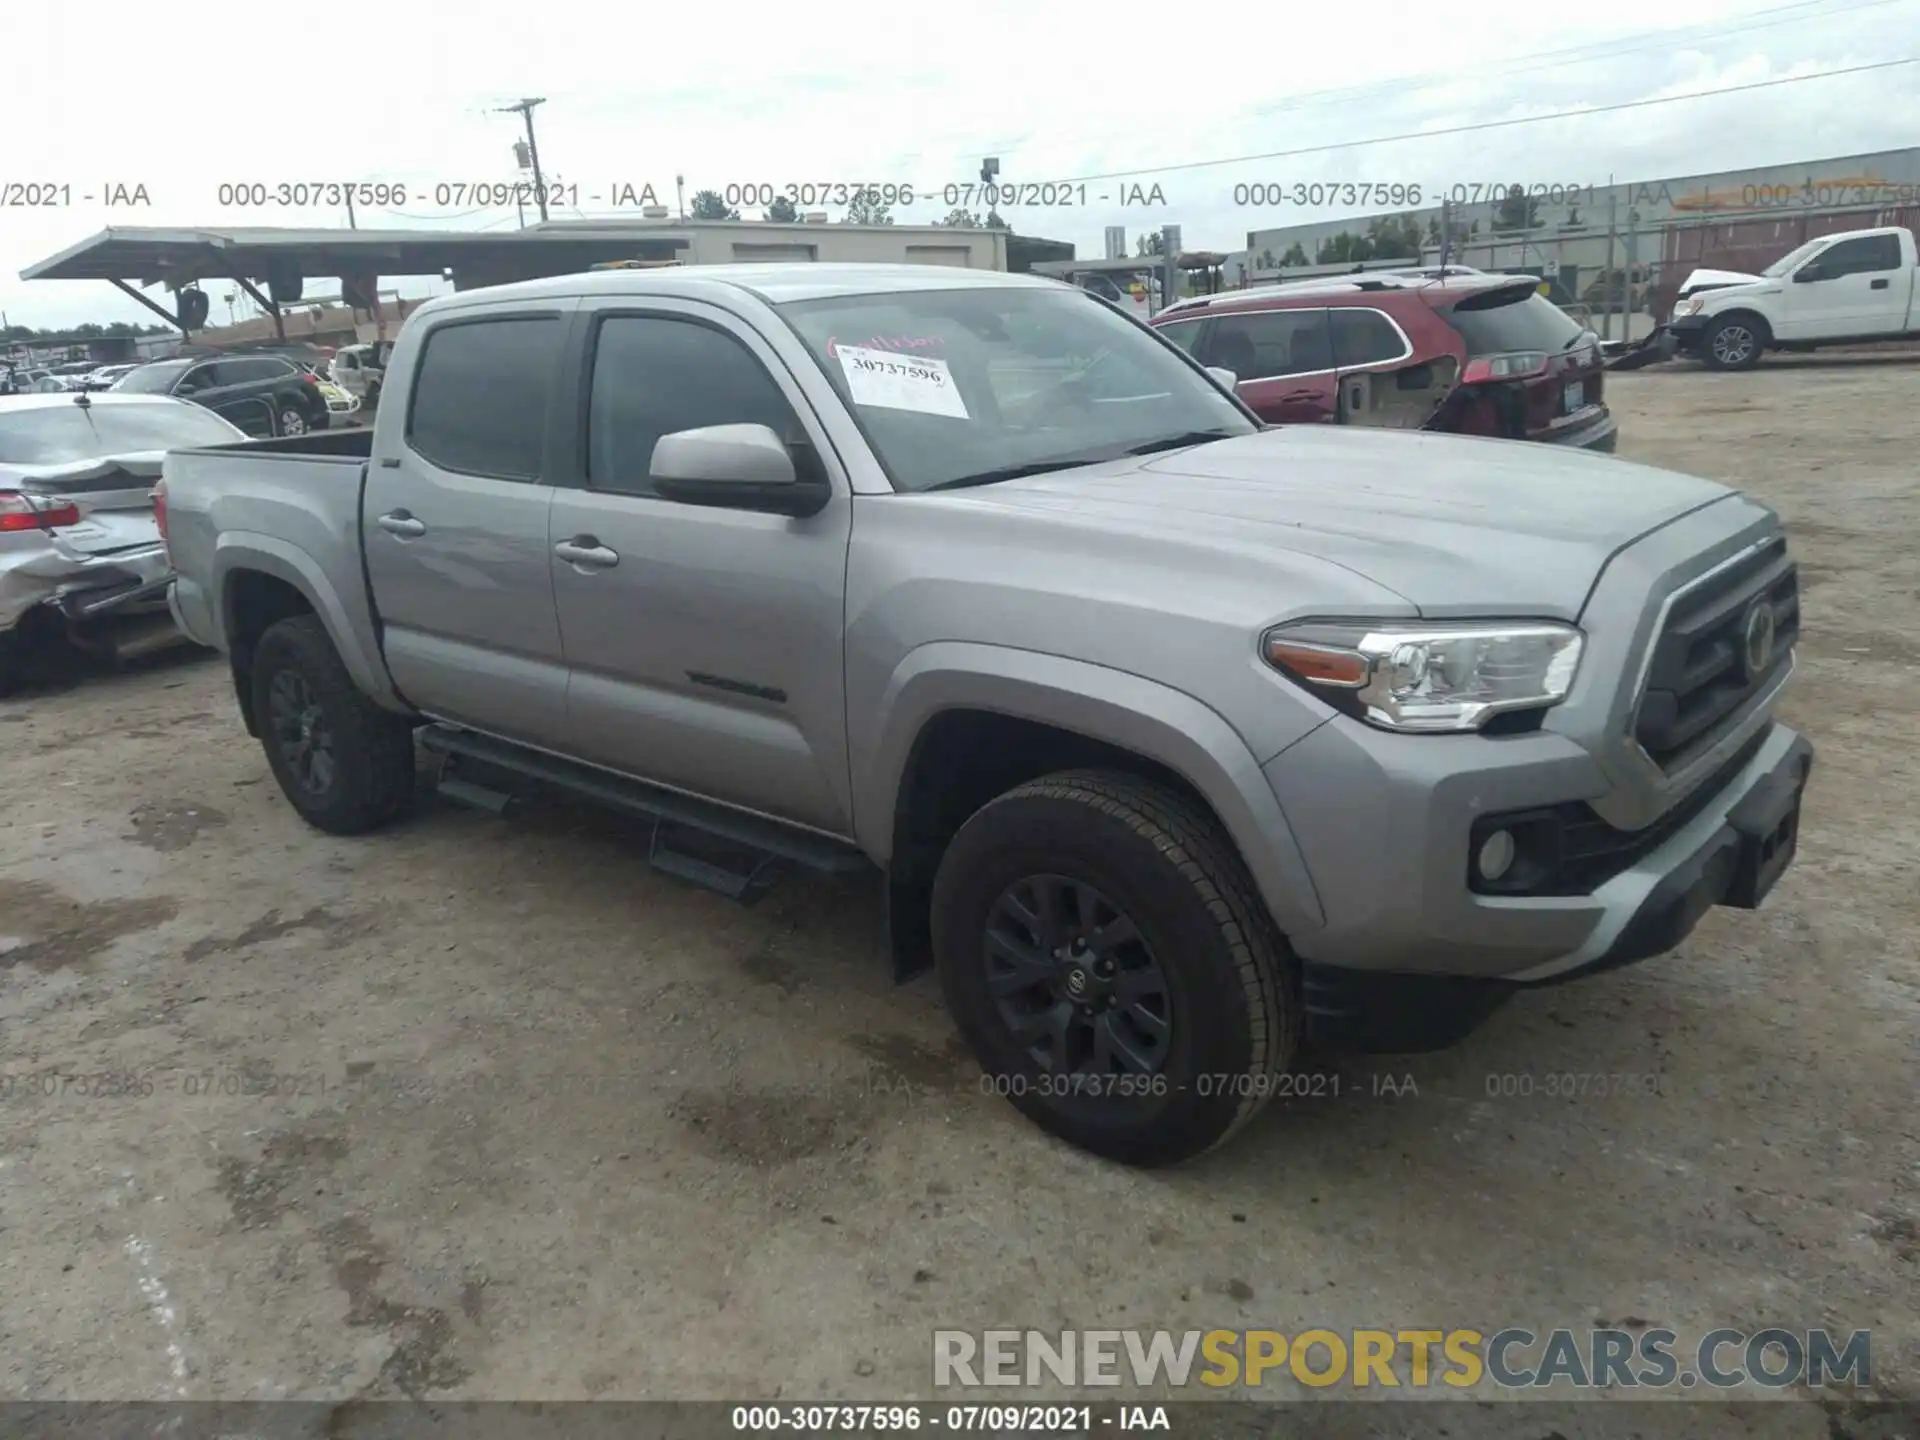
1756 645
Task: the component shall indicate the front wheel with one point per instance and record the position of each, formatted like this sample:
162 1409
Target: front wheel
1733 343
345 764
1106 956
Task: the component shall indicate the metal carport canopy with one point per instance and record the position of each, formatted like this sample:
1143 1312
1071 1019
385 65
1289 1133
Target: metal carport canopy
150 256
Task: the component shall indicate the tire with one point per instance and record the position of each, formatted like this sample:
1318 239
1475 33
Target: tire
290 417
1733 342
344 763
1207 962
10 662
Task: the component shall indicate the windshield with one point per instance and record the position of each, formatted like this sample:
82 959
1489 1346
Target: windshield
1500 322
959 386
152 379
63 434
1793 259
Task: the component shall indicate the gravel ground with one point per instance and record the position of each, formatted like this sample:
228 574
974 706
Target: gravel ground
485 1108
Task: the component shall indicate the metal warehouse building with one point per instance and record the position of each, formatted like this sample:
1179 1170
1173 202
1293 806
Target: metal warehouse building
1620 249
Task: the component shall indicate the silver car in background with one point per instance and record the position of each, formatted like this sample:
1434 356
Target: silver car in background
81 555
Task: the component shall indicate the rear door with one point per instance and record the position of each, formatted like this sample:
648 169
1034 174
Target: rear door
1862 290
1284 361
1381 383
704 645
454 523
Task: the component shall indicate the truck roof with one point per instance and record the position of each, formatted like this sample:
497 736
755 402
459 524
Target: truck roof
776 283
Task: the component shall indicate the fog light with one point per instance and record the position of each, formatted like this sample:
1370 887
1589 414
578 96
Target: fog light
1496 855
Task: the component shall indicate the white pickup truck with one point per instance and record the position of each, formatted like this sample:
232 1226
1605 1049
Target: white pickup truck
1846 289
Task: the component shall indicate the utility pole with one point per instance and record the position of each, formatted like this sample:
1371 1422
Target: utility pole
1613 233
524 109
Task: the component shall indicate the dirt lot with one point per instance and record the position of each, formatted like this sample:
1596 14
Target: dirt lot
528 1120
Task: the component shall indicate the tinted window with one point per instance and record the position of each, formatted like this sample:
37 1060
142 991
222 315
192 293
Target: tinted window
1183 334
152 379
1270 343
1864 256
58 434
239 372
652 377
480 396
1503 321
200 377
1364 337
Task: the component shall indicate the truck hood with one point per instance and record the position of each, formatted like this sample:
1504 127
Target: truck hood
1453 525
1715 280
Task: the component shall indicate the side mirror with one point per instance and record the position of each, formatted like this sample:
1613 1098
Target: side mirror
735 467
1225 377
1808 273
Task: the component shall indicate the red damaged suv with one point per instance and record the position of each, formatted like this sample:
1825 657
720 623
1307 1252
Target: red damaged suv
1474 354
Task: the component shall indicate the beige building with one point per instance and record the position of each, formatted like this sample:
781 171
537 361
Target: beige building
734 242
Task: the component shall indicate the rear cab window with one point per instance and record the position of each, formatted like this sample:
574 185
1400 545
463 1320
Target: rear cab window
480 395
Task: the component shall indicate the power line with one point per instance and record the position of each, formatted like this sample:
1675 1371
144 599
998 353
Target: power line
1644 43
1486 124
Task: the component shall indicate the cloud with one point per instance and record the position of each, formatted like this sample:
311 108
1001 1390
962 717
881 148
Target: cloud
913 95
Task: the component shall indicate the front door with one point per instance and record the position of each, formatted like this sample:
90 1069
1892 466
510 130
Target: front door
1284 361
1861 291
704 645
455 526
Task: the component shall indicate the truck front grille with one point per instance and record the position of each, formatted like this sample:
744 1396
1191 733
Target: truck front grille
1714 653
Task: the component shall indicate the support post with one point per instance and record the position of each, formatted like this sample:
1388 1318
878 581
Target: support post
171 319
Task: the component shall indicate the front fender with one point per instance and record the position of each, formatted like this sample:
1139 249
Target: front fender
1150 719
348 618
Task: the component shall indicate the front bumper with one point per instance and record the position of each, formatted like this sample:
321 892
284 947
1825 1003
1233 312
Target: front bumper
1385 830
1686 332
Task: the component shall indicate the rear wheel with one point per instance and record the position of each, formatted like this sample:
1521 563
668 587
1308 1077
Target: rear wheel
1733 343
345 764
1107 957
292 419
9 662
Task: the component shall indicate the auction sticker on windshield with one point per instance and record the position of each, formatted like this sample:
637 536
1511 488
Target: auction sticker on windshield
901 382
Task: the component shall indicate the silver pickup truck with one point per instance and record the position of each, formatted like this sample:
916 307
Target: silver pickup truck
1174 738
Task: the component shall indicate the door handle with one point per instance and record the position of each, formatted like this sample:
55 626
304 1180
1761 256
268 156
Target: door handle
399 522
1878 285
586 550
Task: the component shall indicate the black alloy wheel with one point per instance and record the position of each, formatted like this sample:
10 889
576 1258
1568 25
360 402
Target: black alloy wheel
301 732
1075 982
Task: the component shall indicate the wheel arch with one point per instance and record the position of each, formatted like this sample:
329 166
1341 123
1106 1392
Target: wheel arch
963 722
260 580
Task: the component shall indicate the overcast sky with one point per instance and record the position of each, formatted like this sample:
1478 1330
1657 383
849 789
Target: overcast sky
875 90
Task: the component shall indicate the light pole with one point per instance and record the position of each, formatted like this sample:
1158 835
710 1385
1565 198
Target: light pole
524 109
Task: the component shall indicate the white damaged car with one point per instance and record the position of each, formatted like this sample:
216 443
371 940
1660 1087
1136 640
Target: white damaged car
80 551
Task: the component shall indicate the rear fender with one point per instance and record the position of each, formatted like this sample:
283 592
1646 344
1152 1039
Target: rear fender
1404 398
348 622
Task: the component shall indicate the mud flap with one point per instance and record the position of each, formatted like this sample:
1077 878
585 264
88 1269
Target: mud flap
1402 399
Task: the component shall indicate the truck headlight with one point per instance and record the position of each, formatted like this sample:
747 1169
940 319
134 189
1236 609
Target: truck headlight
1429 677
1691 305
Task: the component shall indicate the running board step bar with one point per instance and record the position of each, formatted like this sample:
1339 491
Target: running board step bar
767 842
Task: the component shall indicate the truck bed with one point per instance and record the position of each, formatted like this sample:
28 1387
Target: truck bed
288 508
354 444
